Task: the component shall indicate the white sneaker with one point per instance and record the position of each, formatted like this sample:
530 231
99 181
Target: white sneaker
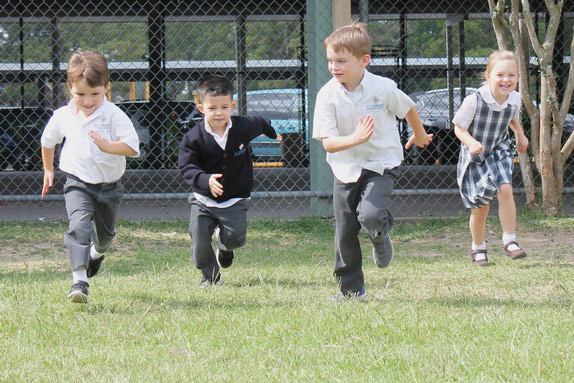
359 296
207 283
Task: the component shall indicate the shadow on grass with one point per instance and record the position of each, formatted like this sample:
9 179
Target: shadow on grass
254 281
470 302
195 301
557 265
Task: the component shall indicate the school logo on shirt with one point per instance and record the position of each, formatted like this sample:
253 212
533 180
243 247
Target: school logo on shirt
376 104
242 149
101 126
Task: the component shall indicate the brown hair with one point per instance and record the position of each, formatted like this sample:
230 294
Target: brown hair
353 37
496 56
90 66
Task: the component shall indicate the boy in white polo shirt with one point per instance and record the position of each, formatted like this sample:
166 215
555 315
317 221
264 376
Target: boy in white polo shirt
98 138
355 118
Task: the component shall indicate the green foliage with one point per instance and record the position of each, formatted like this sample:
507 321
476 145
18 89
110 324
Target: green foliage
430 316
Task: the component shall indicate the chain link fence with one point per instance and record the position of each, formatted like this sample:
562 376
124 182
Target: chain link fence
273 51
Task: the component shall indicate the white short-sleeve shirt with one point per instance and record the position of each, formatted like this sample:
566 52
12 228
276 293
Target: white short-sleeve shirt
465 115
80 156
338 111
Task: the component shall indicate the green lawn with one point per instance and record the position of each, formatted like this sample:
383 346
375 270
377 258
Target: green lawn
430 317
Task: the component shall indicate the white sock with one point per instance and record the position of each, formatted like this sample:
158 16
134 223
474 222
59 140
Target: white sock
79 275
510 238
479 256
95 254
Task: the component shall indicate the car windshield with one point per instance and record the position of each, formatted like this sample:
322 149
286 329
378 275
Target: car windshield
275 106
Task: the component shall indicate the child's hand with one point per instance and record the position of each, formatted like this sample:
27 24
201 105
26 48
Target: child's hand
521 143
475 148
364 130
279 138
48 182
99 140
420 141
215 187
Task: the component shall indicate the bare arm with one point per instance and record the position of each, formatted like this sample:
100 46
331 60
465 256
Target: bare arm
471 143
48 162
420 137
362 134
521 139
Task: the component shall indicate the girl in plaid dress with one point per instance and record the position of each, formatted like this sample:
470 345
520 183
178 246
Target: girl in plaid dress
485 163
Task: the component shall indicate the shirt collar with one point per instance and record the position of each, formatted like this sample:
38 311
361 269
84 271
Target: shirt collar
512 99
362 84
210 131
74 109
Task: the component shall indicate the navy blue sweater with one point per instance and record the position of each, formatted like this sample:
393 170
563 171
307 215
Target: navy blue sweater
200 157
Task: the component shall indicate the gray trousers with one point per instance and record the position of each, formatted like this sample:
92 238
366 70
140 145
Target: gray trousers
203 220
360 204
92 211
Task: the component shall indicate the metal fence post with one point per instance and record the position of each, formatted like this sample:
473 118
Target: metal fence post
320 25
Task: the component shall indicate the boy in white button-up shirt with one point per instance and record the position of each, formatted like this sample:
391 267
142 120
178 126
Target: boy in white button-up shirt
355 118
98 138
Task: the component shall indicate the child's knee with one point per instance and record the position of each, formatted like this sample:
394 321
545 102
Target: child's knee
505 192
377 224
233 240
79 233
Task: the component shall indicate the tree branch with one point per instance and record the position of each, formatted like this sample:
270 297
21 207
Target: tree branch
570 84
538 49
498 22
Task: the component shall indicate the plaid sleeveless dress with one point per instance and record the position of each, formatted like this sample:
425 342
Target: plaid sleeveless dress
479 176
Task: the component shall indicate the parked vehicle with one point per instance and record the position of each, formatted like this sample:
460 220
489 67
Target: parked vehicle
181 116
284 107
433 107
20 131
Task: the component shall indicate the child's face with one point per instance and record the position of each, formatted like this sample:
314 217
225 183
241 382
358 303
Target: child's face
87 98
347 68
503 79
217 110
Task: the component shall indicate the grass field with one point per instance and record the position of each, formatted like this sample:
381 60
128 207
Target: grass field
430 317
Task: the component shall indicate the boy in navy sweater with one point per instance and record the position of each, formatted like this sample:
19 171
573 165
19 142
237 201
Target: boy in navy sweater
215 161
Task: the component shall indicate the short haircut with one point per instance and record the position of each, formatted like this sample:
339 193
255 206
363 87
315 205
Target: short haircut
214 85
353 37
90 66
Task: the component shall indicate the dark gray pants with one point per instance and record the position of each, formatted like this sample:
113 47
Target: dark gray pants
203 220
359 204
92 211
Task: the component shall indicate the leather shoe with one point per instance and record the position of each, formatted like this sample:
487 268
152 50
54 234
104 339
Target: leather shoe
514 254
480 262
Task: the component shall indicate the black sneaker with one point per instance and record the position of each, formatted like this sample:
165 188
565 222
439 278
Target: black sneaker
94 266
224 258
79 292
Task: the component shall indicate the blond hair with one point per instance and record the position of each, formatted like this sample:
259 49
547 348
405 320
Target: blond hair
353 37
90 66
496 56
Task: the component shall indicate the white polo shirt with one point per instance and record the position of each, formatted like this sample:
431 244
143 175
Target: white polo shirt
465 115
337 113
80 156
